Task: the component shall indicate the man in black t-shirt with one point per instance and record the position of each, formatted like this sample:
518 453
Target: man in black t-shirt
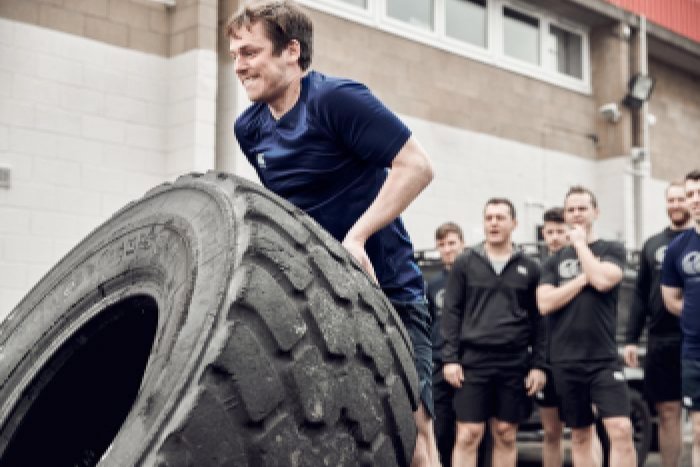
449 241
579 288
662 366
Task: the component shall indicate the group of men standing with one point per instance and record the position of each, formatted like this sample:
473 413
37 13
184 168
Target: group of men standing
507 328
331 148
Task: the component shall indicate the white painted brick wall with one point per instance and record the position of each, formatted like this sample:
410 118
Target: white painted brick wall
85 128
471 168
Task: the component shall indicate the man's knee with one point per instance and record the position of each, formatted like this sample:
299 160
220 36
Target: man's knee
504 433
551 426
669 412
619 430
581 436
469 435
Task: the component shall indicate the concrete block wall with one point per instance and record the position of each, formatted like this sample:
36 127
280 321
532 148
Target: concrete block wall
675 137
472 167
135 24
86 127
435 85
191 82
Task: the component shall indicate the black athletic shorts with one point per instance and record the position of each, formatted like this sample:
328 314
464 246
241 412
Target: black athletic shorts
547 397
581 384
492 392
691 384
662 371
416 319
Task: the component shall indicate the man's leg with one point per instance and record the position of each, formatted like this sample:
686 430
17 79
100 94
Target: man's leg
582 446
619 430
425 453
695 418
444 417
416 319
467 443
551 447
662 386
505 452
670 443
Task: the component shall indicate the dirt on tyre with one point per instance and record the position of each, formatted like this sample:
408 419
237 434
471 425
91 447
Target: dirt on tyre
208 324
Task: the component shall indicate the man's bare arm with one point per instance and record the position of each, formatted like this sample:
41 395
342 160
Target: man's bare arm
673 299
411 171
551 298
602 275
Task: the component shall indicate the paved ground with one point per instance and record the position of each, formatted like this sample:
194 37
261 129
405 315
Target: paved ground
529 455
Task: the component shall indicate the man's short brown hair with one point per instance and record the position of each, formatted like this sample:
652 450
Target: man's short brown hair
676 183
282 20
505 201
693 175
555 215
581 190
448 228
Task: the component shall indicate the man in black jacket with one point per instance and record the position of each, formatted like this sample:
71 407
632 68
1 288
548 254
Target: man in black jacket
449 241
579 288
490 319
662 366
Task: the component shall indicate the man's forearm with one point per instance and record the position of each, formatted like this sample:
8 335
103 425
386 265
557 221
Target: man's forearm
411 171
551 299
602 276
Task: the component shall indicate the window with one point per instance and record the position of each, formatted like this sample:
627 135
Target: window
521 36
414 12
567 51
360 3
465 20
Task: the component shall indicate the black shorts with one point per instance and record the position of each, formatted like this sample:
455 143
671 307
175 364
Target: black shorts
691 384
492 392
547 397
662 371
581 384
416 319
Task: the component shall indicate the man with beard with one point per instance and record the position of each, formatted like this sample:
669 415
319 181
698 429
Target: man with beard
579 288
680 289
490 319
449 241
662 367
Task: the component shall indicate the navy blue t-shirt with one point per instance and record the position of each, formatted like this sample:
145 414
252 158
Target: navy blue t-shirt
329 155
681 270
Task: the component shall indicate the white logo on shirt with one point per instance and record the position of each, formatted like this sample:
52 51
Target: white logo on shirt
569 268
440 298
261 160
618 375
522 270
691 263
659 255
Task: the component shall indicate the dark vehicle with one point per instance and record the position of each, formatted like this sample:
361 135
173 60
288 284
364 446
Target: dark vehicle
642 413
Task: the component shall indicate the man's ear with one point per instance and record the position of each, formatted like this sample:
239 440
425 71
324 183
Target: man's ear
293 50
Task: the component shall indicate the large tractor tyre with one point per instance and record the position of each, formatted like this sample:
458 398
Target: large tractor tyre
641 429
208 324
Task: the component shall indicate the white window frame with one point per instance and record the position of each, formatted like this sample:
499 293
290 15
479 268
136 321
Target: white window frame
375 16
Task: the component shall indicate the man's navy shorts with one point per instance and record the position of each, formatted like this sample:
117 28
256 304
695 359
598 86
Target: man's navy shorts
416 319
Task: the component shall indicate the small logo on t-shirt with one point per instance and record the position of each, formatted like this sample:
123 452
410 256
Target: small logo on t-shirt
261 160
618 375
522 270
569 268
659 255
440 298
691 263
